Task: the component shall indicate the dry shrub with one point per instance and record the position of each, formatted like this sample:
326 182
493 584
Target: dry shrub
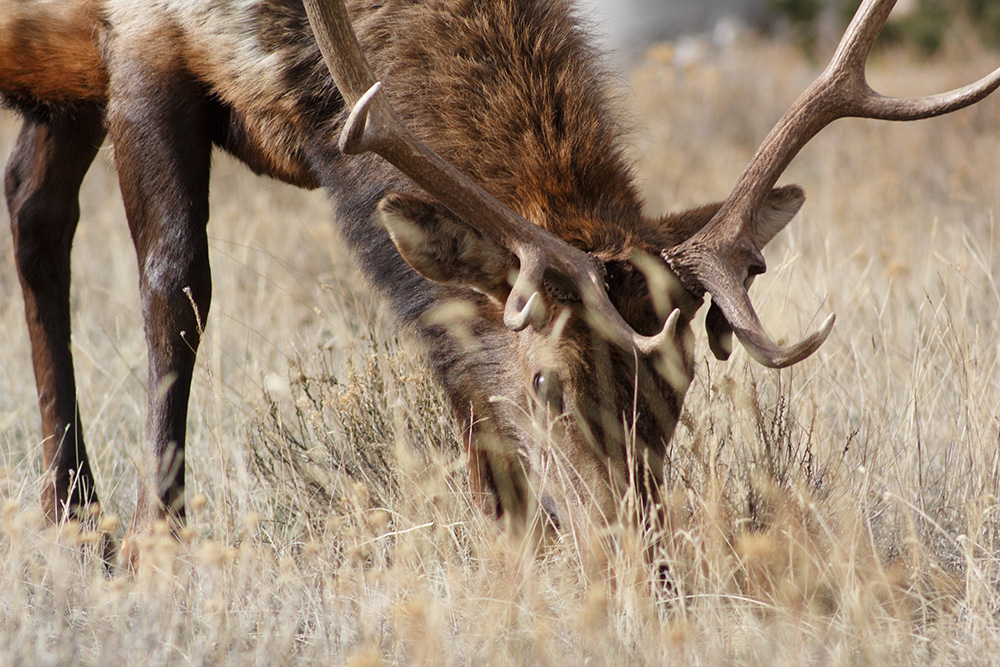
344 434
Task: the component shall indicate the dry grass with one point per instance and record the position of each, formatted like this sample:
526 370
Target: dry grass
843 511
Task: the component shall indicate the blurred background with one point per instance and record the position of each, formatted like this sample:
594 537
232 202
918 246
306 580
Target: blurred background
629 26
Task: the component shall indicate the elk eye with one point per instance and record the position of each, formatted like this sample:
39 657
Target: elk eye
549 390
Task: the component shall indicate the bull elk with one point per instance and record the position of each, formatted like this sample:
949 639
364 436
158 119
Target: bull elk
500 184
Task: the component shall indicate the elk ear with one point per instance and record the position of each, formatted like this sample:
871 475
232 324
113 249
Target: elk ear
442 248
776 212
778 209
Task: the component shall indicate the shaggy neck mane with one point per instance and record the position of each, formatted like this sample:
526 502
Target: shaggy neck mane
510 93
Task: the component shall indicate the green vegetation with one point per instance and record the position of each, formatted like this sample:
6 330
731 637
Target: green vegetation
922 23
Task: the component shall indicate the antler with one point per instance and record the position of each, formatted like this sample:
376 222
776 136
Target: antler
723 256
374 126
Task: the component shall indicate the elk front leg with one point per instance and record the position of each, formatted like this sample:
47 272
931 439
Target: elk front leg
158 121
42 184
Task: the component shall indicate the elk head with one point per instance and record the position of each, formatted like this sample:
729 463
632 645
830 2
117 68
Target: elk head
599 343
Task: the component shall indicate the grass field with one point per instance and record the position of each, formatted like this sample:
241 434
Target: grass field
844 511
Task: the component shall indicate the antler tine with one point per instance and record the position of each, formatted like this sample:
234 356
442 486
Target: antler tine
374 126
881 107
863 31
849 63
723 255
750 332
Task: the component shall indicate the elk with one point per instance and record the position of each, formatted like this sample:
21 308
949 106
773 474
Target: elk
471 158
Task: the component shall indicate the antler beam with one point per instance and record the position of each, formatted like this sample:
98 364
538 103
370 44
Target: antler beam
723 255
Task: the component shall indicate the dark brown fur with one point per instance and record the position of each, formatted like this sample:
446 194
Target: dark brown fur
41 183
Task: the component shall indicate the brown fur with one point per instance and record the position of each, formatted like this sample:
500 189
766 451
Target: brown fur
48 51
